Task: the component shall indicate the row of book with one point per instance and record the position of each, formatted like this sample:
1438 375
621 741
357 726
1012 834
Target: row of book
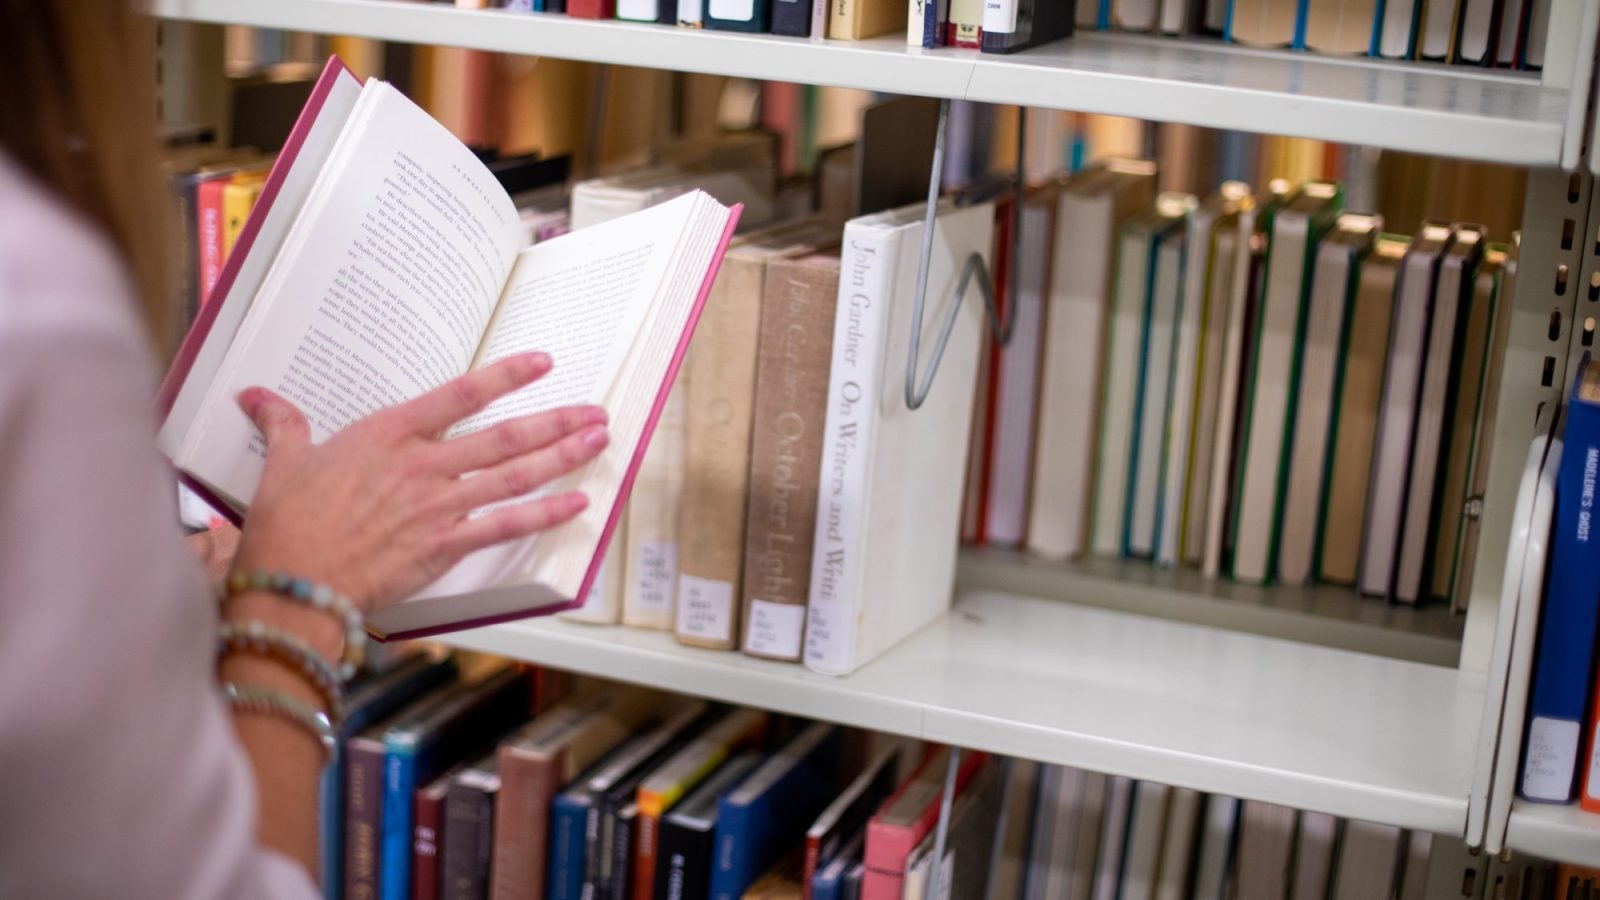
1267 388
1560 742
1504 33
466 779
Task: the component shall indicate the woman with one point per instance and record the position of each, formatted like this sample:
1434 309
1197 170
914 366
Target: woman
124 770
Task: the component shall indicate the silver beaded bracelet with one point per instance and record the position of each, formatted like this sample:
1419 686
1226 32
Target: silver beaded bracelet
264 701
317 596
261 640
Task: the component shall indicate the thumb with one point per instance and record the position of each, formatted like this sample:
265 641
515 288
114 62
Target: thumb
278 420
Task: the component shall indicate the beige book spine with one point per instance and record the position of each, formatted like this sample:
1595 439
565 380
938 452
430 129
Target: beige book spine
857 19
718 405
650 568
795 349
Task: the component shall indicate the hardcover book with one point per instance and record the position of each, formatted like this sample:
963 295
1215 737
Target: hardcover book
384 259
688 833
769 810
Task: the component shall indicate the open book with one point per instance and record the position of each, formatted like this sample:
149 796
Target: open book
383 260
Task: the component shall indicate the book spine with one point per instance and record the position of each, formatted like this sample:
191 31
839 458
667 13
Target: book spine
914 9
399 783
842 19
521 815
999 16
428 835
619 883
690 12
849 432
644 854
468 843
363 819
592 9
795 348
813 855
747 16
819 19
730 861
595 855
651 570
208 234
1564 666
568 844
330 825
791 18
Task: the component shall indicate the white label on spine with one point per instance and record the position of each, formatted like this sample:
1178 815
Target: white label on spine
775 629
732 10
1552 754
637 10
828 635
657 567
705 608
689 11
1000 16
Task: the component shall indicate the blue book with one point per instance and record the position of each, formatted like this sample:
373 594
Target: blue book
1564 667
375 697
447 729
830 879
850 888
579 852
770 811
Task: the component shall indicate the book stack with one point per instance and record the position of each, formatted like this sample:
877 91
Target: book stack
465 778
1498 33
1266 388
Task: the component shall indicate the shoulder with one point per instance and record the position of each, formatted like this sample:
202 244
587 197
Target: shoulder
59 275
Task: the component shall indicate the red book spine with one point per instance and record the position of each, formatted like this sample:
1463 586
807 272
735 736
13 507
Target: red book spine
813 852
427 838
889 845
208 233
1001 278
592 9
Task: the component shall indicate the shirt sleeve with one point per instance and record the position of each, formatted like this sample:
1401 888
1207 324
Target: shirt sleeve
121 772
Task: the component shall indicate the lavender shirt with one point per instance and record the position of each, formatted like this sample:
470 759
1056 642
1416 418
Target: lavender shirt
120 775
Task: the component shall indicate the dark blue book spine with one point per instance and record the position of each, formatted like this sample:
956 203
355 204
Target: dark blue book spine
759 21
932 28
399 786
791 18
731 862
569 817
1564 666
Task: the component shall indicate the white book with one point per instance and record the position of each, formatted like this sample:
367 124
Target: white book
884 557
1368 859
603 604
1178 844
1016 393
1208 271
1313 856
1397 411
650 566
1538 34
1433 32
1145 832
1093 207
1510 20
1155 395
1000 16
1332 285
1217 825
691 12
1477 18
1134 15
1174 16
1395 40
1296 228
1457 270
915 9
377 200
1112 464
1222 367
1113 837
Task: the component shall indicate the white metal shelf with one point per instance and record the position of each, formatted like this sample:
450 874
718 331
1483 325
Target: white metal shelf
1346 733
1421 108
1565 833
1322 614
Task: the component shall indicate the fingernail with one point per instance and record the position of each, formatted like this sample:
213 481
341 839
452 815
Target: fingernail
596 438
538 361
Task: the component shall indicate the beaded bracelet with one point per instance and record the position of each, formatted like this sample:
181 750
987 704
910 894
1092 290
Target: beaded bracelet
264 701
317 596
254 637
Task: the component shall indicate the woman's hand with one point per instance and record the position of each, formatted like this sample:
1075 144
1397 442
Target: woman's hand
215 548
380 509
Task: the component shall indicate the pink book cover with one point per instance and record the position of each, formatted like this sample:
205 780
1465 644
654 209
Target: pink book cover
890 844
632 472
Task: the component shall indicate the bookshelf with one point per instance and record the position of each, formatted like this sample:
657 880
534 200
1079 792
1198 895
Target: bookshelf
1111 691
1311 698
1420 108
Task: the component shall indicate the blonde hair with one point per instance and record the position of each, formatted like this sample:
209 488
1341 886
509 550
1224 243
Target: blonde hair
79 115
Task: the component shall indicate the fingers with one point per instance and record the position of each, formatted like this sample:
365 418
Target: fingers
459 398
278 420
514 522
513 438
525 474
